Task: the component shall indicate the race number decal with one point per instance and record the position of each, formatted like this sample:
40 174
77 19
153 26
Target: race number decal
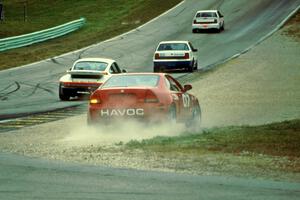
186 100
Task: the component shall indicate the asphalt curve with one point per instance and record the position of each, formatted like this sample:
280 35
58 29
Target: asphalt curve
34 88
41 179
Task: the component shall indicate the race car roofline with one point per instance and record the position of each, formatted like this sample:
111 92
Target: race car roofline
140 73
174 41
106 60
199 11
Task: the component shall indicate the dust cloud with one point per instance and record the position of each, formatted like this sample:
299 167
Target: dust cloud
82 134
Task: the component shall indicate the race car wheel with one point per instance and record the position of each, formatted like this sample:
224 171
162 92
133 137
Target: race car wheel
223 27
62 95
194 30
156 69
191 67
89 121
196 65
194 123
172 114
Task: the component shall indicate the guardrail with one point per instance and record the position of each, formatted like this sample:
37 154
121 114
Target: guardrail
39 36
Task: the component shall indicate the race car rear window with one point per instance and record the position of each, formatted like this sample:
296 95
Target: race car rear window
132 81
88 65
206 14
173 47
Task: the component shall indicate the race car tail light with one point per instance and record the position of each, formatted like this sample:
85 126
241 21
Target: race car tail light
150 97
156 56
195 22
95 101
186 56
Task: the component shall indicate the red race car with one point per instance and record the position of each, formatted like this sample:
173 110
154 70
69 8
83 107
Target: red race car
148 96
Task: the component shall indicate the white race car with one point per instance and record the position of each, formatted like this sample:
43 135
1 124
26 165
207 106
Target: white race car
85 76
208 19
175 55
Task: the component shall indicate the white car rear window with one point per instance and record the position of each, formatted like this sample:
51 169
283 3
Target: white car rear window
173 47
206 14
88 65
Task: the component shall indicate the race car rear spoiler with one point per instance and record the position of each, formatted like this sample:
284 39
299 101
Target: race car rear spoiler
86 74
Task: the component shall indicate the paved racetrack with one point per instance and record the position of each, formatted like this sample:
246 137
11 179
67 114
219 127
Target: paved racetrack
27 178
34 88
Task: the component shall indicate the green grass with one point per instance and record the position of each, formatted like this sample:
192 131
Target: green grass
105 19
270 151
278 139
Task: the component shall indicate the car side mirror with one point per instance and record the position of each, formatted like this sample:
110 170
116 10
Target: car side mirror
187 87
195 50
124 71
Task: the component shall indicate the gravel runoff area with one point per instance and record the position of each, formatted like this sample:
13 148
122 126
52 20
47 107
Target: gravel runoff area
260 86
